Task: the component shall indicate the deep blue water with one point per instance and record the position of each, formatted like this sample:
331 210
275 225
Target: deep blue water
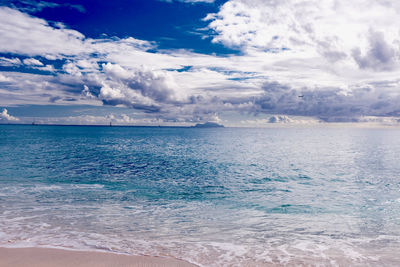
215 197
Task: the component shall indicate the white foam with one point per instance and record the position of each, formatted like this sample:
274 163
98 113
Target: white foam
201 253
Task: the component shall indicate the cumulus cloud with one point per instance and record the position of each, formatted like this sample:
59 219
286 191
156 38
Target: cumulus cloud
155 85
10 62
4 116
296 60
139 88
364 31
279 119
32 62
86 92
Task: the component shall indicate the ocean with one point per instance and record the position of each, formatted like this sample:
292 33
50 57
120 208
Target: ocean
214 196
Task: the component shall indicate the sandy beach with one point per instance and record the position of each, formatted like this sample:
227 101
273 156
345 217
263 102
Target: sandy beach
49 257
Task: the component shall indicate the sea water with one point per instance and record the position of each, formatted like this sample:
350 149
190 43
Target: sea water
214 197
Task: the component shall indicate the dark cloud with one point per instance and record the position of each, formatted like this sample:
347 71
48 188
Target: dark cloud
279 119
380 56
152 94
327 102
54 99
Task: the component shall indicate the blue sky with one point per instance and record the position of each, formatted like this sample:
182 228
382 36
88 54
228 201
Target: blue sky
180 62
172 25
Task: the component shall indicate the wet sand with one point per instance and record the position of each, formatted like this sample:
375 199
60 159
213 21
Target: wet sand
49 257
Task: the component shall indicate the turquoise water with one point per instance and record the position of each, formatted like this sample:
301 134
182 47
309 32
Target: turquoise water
214 197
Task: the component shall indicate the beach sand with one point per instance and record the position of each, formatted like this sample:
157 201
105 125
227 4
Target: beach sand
49 257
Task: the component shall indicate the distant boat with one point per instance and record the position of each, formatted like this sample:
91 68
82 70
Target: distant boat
208 125
110 124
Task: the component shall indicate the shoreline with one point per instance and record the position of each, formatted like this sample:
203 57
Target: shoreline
49 257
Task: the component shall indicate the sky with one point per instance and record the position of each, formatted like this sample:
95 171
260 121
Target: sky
182 62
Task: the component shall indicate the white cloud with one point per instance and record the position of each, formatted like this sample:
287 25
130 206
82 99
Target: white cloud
4 78
9 62
86 64
4 116
49 68
86 92
157 85
365 31
26 88
32 62
27 35
339 77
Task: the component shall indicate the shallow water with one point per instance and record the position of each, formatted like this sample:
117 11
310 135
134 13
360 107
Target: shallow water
214 197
